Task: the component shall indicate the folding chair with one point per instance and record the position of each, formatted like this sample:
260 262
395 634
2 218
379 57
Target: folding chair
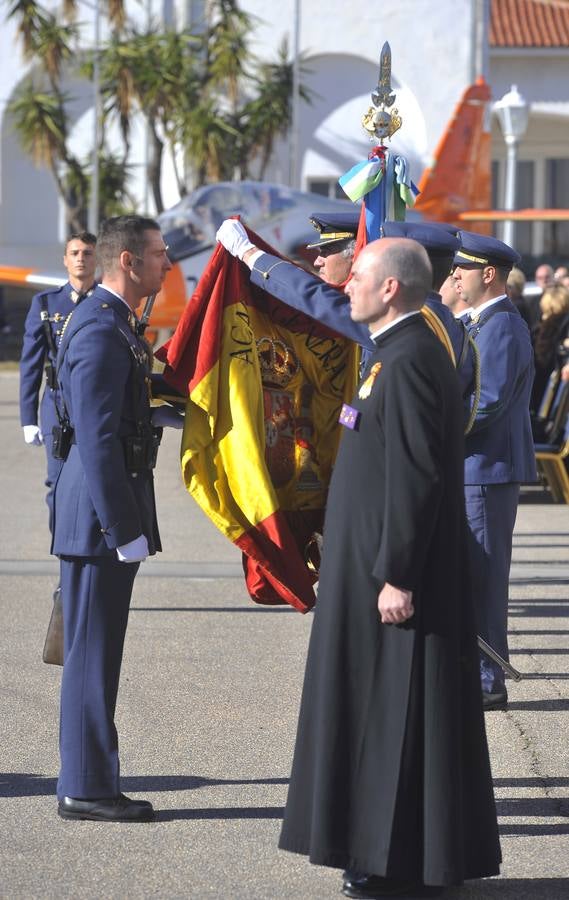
551 456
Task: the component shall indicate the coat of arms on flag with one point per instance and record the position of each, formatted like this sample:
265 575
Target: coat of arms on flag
265 386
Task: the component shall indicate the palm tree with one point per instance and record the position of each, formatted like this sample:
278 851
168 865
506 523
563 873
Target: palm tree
150 73
114 196
269 113
28 14
202 95
227 50
39 118
39 107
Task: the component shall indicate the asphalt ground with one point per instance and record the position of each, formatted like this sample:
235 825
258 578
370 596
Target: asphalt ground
207 714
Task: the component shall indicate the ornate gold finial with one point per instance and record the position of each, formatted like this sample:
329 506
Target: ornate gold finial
379 123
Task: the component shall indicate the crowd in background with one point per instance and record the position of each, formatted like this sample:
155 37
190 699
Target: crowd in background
547 316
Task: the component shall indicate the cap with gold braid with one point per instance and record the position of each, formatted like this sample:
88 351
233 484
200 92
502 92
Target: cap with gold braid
479 250
335 228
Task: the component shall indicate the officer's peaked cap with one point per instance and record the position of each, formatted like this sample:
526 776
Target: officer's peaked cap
479 250
335 227
438 238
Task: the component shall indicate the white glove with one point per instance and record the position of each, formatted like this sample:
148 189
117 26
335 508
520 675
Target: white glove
33 435
167 417
233 237
134 551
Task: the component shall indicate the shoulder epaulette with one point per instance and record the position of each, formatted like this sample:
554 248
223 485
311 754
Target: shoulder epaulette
439 330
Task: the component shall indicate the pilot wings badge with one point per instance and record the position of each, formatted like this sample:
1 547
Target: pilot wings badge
367 385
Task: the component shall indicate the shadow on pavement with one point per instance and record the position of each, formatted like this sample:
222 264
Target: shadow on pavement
528 807
514 888
537 782
222 812
20 784
214 609
540 705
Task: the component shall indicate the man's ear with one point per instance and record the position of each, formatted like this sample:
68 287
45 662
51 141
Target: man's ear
391 285
126 260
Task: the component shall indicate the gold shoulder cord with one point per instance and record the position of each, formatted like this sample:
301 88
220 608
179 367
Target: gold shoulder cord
476 400
439 330
65 324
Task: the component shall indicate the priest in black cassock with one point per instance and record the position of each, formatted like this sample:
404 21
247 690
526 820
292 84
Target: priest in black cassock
391 777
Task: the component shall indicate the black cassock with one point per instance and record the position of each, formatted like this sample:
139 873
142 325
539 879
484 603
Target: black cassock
391 774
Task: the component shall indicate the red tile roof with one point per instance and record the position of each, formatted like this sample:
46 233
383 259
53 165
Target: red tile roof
529 23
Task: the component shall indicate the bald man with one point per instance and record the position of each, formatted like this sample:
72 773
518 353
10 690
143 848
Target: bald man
391 779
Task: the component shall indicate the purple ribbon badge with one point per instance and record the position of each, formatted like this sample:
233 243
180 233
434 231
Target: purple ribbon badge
349 417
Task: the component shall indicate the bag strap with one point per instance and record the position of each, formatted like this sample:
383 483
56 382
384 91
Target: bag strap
44 316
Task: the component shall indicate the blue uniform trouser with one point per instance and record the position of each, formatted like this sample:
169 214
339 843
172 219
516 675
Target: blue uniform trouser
48 418
491 514
96 594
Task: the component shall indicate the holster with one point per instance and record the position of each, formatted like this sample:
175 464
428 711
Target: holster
50 376
141 449
62 436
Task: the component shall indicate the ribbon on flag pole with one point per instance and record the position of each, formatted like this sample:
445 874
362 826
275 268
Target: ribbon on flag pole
384 183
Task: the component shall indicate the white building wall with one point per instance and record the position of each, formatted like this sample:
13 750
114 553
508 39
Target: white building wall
342 42
437 49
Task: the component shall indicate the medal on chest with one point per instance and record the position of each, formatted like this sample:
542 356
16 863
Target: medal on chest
367 385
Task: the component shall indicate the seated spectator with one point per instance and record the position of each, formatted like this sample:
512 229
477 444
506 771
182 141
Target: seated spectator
548 338
543 275
560 274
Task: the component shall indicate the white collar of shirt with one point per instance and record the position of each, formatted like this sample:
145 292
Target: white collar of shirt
465 312
480 309
384 328
114 293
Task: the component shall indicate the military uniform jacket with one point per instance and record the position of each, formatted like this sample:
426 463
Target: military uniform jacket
36 352
391 772
329 305
103 373
499 448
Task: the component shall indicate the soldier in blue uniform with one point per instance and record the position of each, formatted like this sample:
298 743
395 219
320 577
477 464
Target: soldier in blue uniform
104 510
336 245
44 323
499 448
329 304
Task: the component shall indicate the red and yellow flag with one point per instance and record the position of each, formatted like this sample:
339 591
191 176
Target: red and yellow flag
265 386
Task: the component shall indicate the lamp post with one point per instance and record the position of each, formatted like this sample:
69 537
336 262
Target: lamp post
293 176
513 112
93 212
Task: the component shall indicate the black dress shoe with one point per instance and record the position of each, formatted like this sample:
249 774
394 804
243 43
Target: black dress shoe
130 800
495 699
108 809
374 887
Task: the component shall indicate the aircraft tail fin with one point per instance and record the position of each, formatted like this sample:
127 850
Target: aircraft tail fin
460 176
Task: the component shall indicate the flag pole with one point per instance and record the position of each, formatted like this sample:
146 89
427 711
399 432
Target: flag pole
383 180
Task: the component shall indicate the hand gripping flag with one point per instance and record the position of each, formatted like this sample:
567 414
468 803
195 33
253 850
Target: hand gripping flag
266 385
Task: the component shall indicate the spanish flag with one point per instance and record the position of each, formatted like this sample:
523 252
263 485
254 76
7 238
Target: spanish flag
265 386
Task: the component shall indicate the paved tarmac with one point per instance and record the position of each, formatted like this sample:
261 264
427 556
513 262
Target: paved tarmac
207 714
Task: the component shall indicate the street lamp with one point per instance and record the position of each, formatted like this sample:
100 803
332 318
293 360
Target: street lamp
97 102
513 112
293 175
